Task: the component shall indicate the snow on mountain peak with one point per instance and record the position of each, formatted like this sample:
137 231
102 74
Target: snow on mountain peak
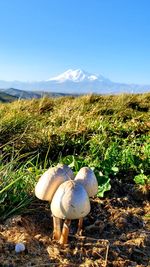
77 75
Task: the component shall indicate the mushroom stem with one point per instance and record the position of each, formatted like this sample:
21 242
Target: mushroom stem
80 225
57 228
65 231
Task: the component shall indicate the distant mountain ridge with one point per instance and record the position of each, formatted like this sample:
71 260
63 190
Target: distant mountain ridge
17 93
4 97
11 94
77 82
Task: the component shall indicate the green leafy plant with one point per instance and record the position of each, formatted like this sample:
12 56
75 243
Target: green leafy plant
103 184
142 179
143 182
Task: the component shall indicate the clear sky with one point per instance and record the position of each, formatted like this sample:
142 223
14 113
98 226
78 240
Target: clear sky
42 38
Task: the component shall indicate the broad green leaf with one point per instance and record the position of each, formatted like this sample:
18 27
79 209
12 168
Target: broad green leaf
106 186
141 179
115 169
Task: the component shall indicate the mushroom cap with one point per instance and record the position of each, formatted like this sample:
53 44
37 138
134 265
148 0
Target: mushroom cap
70 201
88 179
67 170
49 182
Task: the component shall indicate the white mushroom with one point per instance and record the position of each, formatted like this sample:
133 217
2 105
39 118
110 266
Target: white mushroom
47 186
70 202
49 182
69 173
88 179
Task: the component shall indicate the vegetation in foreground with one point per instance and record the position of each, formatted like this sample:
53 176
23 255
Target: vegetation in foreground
110 134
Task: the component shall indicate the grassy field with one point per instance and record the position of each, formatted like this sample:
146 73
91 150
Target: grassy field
108 133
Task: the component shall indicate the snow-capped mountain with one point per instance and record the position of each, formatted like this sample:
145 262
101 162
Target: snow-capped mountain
77 82
75 76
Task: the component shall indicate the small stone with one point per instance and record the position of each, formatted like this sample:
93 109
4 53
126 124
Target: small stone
19 247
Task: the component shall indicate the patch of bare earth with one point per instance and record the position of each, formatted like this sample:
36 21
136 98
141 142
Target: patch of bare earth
116 234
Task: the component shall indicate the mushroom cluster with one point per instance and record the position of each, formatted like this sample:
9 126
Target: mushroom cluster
69 197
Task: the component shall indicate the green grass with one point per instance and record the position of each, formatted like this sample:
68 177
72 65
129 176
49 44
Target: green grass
111 134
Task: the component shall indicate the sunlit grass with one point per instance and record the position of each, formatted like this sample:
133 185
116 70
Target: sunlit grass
111 134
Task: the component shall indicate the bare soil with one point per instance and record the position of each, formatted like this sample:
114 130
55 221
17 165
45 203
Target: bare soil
116 233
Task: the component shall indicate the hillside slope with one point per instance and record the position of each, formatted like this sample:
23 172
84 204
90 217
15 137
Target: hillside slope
79 125
4 97
11 94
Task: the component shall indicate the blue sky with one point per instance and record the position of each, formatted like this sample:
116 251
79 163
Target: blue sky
42 38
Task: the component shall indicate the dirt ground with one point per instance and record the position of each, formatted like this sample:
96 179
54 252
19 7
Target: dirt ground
116 233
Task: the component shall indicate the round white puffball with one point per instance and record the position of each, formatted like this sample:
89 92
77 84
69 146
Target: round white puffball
19 247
